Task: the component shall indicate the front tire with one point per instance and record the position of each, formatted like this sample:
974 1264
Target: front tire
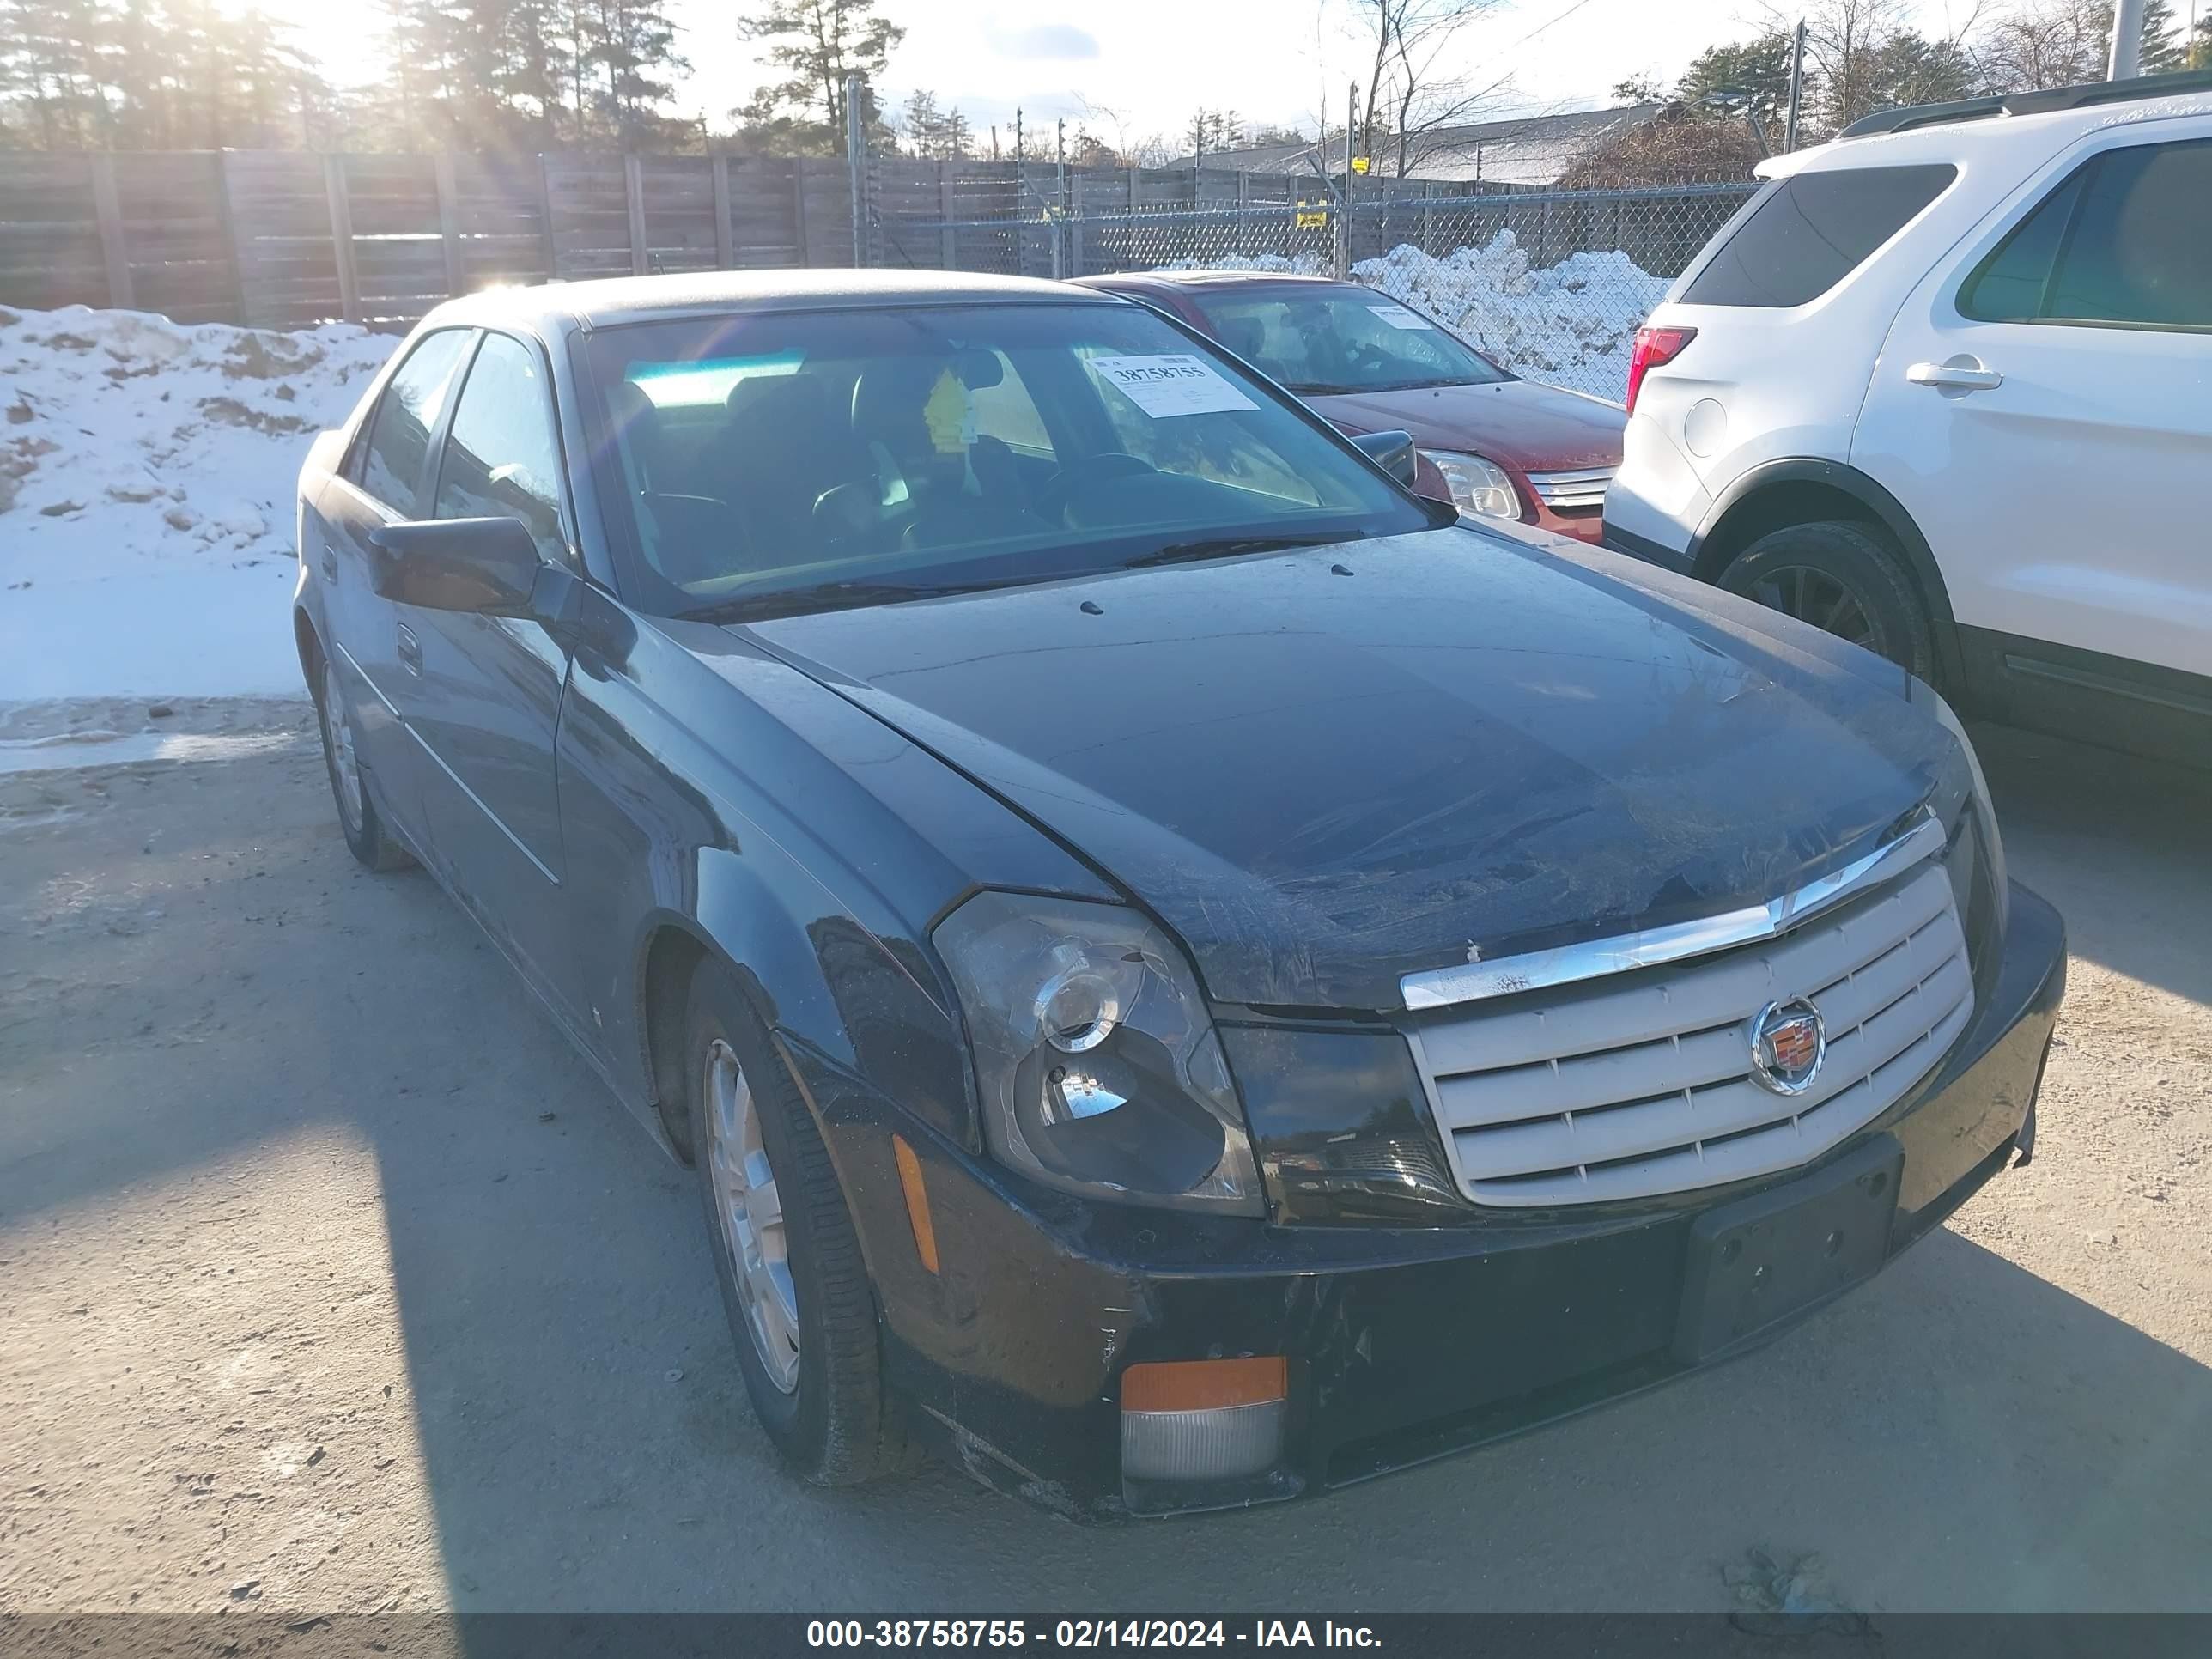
365 835
786 1255
1846 579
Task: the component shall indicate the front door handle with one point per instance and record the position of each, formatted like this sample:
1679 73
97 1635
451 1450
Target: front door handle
410 650
330 565
1961 374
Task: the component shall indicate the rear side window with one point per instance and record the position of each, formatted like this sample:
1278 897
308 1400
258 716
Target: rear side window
399 437
1811 231
2012 282
501 460
2125 241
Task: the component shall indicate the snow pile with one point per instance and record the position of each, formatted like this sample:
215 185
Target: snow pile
1570 323
145 498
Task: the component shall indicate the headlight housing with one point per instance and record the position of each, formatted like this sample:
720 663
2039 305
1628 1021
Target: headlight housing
1991 845
1477 484
1096 1061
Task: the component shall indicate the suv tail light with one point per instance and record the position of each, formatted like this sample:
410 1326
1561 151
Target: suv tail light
1655 348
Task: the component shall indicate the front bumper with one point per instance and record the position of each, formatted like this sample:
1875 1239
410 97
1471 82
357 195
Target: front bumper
1402 1343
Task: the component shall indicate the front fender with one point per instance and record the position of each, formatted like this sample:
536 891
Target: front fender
833 992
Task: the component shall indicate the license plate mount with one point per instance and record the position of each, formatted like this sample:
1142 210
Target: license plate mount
1758 1262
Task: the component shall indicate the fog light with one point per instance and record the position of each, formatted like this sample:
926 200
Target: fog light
1205 1420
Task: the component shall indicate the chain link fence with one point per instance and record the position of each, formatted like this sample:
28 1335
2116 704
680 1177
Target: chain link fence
1550 281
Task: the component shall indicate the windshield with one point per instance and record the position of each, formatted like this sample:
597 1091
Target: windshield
776 461
1318 340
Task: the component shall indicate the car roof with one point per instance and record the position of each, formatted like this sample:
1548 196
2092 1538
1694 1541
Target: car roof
1143 279
601 302
2039 134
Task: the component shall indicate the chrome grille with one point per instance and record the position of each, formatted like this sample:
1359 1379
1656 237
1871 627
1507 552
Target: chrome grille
1643 1084
1572 492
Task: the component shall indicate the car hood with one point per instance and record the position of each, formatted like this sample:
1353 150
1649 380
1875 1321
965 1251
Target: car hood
1517 423
1329 769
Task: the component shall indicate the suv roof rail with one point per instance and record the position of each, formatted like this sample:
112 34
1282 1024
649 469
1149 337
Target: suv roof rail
2029 103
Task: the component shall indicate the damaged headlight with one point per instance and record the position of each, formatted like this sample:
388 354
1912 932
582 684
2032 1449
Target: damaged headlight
1098 1066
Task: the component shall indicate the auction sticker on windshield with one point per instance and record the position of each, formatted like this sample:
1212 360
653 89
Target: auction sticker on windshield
1171 384
1399 317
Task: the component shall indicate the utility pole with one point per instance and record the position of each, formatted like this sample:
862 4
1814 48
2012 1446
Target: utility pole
1797 87
1344 206
2127 42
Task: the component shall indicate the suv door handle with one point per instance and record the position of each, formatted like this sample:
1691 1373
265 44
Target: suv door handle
410 650
1959 375
329 565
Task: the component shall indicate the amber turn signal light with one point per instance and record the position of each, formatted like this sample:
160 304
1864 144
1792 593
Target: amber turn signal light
1204 1385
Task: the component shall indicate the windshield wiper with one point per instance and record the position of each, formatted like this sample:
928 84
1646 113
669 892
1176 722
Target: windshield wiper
834 596
1223 547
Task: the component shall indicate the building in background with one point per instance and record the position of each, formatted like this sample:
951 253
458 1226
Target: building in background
1530 151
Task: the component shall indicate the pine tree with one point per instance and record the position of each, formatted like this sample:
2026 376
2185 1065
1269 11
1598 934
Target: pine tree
816 44
630 50
933 134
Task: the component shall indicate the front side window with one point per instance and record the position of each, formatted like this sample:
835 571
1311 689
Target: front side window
862 456
2125 241
1812 230
399 434
501 460
1318 340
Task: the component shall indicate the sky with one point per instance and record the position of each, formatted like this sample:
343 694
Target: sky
1134 68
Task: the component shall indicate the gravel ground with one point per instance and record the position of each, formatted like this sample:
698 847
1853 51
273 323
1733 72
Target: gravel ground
331 1282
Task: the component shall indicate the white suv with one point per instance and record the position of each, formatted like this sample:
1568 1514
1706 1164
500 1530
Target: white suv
1944 386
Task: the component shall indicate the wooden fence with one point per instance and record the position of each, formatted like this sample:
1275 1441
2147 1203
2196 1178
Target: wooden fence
282 239
276 239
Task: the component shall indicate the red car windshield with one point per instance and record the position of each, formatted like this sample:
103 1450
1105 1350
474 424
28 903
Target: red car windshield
1318 340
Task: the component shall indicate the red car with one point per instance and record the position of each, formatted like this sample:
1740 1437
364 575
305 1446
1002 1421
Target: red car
1492 442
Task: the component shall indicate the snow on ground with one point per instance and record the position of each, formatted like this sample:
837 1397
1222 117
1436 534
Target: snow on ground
1570 323
146 498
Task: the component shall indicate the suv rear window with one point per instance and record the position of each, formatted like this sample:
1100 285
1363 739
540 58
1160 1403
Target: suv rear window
1810 232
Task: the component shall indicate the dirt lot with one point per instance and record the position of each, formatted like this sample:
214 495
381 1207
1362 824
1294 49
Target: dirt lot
329 1281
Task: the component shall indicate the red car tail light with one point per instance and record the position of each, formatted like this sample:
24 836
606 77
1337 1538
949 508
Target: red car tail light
1654 349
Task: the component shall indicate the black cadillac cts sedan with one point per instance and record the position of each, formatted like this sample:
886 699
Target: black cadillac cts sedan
1189 974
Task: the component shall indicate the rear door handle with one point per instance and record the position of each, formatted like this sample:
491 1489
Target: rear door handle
329 565
410 650
1959 375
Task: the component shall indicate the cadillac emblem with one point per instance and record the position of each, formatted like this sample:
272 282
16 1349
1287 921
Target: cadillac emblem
1788 1044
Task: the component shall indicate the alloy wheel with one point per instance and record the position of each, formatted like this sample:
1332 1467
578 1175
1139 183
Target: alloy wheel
338 737
1818 598
749 1212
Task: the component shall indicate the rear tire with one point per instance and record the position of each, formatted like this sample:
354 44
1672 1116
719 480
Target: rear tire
365 835
1843 578
813 1370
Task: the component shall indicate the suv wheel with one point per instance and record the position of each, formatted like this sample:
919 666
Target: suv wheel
786 1255
1841 577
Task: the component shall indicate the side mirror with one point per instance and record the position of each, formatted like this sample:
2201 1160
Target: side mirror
488 566
1392 451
